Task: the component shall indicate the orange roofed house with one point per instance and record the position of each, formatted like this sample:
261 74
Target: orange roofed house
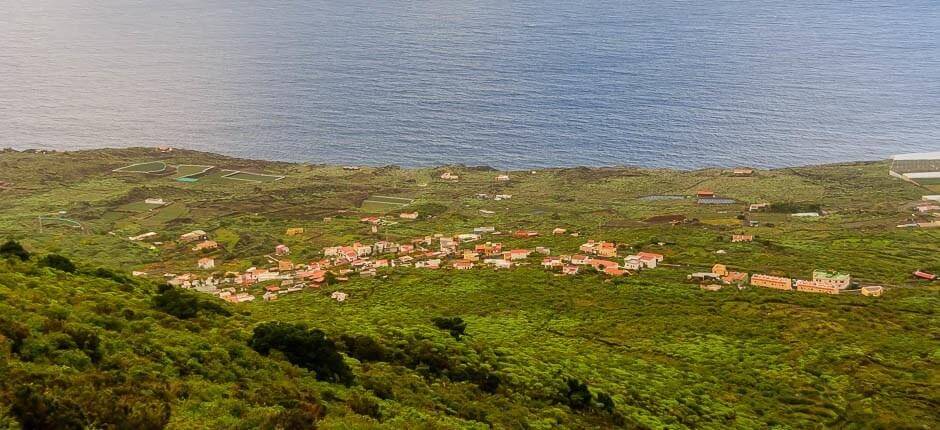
523 234
208 244
742 238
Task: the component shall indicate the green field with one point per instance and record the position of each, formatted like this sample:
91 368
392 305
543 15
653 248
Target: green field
146 167
136 207
191 170
252 177
384 204
98 349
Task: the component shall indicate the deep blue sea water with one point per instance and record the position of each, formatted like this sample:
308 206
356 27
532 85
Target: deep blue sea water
513 84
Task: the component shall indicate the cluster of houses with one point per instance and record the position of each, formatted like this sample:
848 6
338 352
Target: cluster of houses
823 282
463 251
924 210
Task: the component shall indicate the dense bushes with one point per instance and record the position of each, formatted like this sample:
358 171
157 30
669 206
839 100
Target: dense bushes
363 348
13 248
56 261
184 304
455 325
303 347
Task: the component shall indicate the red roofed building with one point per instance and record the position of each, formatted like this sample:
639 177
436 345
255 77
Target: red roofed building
522 234
705 193
603 265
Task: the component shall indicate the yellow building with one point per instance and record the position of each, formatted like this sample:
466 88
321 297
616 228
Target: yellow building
775 282
720 269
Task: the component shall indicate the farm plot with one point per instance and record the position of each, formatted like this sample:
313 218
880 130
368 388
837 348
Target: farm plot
385 203
191 170
136 207
165 215
239 175
146 167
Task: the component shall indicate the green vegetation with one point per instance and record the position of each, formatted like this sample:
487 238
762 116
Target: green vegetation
13 248
84 344
252 177
144 167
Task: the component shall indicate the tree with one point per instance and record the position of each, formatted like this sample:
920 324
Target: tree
56 261
455 325
576 394
176 302
606 402
13 248
184 304
37 410
310 349
363 348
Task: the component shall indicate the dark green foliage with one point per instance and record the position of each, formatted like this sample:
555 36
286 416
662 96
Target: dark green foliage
105 273
363 348
455 325
87 341
56 261
606 402
36 410
176 302
303 347
185 304
364 405
13 248
304 417
428 209
576 394
329 278
14 331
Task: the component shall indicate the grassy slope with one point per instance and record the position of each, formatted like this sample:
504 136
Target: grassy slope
671 355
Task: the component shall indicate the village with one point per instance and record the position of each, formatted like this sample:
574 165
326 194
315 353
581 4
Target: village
462 251
481 249
475 250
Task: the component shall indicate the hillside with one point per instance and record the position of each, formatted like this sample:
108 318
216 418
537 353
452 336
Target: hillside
98 347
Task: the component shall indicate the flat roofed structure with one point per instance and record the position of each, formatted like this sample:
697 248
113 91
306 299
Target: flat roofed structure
917 167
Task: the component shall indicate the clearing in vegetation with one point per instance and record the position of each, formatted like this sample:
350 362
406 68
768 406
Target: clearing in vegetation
146 167
136 207
238 175
384 203
191 170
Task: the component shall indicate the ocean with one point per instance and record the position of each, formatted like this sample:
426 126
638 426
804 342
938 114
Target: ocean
509 84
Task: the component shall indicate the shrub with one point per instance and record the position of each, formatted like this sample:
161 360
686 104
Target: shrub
364 405
13 248
58 262
184 304
37 410
455 325
310 349
576 394
363 348
105 273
